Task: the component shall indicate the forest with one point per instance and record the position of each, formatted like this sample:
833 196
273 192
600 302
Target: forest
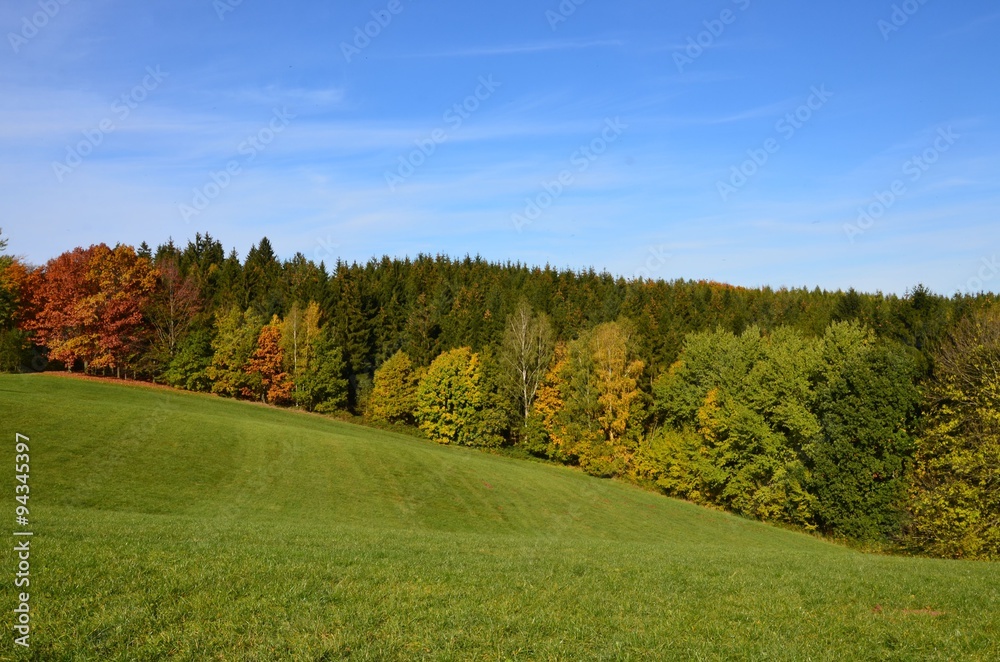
868 417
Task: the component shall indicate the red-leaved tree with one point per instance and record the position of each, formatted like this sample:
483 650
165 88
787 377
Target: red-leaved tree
88 305
63 322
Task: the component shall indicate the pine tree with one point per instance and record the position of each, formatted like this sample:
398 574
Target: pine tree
262 274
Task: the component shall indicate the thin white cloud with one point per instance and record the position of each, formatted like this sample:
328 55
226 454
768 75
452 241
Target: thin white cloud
521 49
767 111
971 26
770 110
273 94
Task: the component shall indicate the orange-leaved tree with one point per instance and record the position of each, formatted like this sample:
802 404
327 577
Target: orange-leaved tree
63 322
123 284
266 366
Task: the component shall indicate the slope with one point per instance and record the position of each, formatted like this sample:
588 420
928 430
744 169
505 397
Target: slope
177 525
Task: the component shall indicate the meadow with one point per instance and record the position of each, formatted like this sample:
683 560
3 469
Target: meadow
171 525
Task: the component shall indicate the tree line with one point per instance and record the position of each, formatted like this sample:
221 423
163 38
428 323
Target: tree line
869 417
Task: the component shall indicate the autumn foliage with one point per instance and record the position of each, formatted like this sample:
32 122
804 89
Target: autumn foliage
793 406
394 395
269 382
89 305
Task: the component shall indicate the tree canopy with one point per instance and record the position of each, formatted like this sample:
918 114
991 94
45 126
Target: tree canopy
865 416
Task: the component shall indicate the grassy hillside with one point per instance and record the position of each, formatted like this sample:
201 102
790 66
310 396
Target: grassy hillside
172 525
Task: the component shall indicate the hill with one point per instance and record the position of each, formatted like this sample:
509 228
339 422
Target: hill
170 524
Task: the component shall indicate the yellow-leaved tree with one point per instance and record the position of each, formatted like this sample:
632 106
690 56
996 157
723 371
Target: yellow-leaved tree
394 394
457 403
590 404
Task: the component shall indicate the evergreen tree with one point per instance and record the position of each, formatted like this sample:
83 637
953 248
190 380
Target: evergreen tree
262 273
188 369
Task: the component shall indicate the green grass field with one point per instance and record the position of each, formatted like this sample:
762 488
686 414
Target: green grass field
178 526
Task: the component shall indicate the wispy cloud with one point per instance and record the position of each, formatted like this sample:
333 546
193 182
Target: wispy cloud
522 49
273 94
971 26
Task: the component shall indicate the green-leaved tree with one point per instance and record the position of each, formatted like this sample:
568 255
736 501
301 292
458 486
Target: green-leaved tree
955 500
453 401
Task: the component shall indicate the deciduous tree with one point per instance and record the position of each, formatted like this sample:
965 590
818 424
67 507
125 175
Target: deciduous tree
123 283
451 401
14 286
528 344
65 320
266 368
173 307
866 404
322 386
298 335
234 343
955 505
394 395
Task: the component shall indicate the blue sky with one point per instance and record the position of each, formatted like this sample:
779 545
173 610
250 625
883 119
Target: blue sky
733 140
